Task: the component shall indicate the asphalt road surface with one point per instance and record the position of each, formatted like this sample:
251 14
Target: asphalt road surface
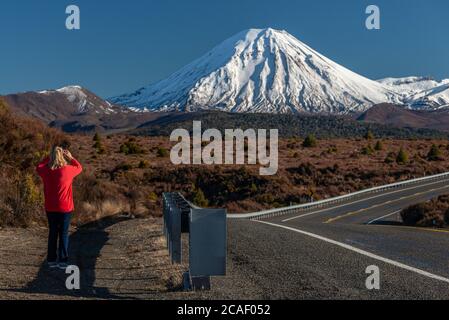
314 254
324 253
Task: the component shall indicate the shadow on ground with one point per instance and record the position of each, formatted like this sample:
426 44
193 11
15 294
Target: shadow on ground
85 247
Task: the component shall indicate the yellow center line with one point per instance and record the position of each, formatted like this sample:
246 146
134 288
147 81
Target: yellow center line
418 228
330 220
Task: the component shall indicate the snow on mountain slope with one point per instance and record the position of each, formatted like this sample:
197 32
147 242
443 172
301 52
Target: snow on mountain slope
82 99
410 84
420 92
432 99
262 70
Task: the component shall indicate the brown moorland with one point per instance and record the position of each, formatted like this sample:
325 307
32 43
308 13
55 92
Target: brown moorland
127 174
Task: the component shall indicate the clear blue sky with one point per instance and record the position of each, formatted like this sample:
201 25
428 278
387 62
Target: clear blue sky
123 45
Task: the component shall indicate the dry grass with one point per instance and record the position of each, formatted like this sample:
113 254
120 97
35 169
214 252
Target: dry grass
131 183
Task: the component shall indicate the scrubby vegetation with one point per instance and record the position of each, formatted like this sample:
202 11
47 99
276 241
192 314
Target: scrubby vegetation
368 150
402 157
310 141
434 213
435 154
379 146
98 145
128 174
289 125
131 147
23 143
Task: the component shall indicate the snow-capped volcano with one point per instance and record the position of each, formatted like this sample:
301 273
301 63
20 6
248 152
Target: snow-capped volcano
262 70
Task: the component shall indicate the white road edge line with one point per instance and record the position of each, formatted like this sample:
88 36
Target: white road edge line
357 201
385 216
362 252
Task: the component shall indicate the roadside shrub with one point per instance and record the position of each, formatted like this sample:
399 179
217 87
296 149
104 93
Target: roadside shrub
310 141
162 152
152 197
390 158
369 135
131 147
23 143
379 146
123 167
143 164
368 150
412 215
199 198
332 149
426 214
402 157
96 137
434 153
98 146
23 199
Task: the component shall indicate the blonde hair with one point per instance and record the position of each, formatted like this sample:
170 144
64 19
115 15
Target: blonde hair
57 159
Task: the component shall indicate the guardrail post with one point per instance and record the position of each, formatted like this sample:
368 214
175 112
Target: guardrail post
207 246
207 239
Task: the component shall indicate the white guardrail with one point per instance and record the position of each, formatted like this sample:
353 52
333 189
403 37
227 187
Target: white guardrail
339 199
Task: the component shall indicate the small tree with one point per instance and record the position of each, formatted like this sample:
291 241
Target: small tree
402 157
162 152
98 144
96 137
390 158
434 153
379 146
253 188
368 150
200 199
310 141
131 147
143 164
152 197
369 135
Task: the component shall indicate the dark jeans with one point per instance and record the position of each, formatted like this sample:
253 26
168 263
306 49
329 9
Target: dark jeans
58 224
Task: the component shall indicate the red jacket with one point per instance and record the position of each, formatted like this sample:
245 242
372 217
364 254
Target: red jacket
58 185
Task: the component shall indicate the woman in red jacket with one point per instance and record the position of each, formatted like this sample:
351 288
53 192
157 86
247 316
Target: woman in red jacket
57 173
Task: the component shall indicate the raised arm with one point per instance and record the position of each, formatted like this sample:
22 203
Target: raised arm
41 166
75 165
77 168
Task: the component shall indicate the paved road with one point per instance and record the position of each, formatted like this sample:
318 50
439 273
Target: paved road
323 253
315 254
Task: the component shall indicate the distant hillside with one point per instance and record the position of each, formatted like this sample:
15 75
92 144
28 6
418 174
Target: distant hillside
397 116
75 109
288 125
